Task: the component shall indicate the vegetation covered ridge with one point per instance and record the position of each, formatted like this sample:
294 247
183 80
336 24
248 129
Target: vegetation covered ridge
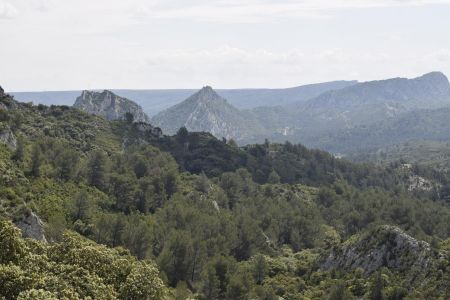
218 221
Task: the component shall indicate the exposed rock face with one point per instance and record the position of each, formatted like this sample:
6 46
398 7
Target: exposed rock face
416 182
7 137
387 246
32 227
109 106
208 112
148 129
2 95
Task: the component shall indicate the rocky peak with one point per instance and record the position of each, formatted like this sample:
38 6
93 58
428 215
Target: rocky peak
434 80
206 111
207 96
109 105
207 91
437 77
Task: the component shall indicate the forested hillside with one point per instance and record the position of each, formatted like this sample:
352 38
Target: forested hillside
130 214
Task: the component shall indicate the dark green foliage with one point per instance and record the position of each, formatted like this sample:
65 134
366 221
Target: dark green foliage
259 268
36 161
19 154
81 206
273 177
176 257
201 152
340 292
182 135
210 284
376 292
96 170
129 117
67 164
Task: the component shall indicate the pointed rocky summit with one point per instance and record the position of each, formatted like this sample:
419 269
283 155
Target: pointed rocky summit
205 111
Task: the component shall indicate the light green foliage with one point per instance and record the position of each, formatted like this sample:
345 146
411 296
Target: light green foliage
143 283
74 268
12 246
37 295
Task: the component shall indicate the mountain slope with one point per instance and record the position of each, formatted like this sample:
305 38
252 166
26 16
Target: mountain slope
108 182
251 98
209 112
417 125
374 101
109 105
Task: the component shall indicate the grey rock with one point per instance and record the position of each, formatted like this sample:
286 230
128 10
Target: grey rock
2 92
109 105
146 128
7 137
32 227
387 246
206 111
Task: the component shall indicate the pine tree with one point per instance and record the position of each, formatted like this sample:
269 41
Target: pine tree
376 292
82 207
210 287
259 268
36 161
273 178
20 150
97 170
202 184
182 135
339 292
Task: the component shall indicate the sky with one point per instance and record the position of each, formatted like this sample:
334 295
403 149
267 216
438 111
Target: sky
151 44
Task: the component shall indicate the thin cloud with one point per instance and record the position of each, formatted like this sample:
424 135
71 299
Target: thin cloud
7 10
260 10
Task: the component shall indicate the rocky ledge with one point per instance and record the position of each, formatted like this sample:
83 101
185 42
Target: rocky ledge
386 246
32 227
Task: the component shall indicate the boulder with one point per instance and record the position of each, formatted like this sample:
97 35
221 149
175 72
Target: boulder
7 137
32 227
146 128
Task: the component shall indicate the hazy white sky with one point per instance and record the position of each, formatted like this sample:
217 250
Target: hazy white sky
78 44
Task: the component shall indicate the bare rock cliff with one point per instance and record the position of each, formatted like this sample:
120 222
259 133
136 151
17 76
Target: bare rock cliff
109 105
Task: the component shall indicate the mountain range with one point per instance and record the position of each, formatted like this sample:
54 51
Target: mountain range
154 101
358 118
345 117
